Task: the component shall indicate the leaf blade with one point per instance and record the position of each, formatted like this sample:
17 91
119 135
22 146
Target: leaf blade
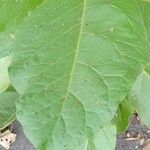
72 90
12 14
124 113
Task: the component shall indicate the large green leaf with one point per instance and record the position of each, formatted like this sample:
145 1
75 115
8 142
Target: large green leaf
74 61
7 107
124 113
12 13
141 93
138 100
139 96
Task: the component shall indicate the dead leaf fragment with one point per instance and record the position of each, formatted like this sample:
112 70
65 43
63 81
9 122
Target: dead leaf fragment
131 139
141 141
128 135
7 138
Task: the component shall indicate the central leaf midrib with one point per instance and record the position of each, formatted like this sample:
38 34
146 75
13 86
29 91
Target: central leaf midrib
77 47
75 58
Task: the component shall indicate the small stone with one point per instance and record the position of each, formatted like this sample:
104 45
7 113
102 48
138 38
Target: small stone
128 135
136 146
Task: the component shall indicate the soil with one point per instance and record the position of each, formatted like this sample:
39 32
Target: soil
138 133
132 139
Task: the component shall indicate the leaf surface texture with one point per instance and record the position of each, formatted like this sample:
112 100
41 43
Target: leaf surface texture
73 63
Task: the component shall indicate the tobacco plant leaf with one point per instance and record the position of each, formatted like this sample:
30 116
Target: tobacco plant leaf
7 107
138 101
141 95
124 112
12 12
73 64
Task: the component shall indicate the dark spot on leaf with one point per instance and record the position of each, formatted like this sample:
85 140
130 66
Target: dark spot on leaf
6 139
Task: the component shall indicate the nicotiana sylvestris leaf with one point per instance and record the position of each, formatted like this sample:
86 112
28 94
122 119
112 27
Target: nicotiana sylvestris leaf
74 61
12 13
124 113
138 99
140 94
